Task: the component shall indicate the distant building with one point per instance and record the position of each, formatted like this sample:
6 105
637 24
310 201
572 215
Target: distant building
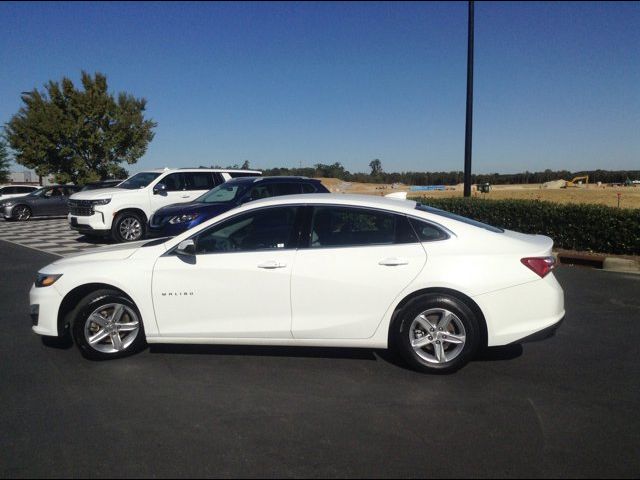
29 177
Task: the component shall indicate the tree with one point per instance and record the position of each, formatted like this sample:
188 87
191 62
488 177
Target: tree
4 162
245 165
79 135
376 167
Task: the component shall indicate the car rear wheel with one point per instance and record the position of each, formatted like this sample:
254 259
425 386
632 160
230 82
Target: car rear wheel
437 333
128 227
22 213
108 325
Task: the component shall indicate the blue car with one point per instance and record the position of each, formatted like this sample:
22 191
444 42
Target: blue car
174 219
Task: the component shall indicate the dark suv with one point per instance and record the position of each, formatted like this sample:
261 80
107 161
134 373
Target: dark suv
174 219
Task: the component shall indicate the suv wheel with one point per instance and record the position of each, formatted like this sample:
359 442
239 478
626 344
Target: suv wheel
128 227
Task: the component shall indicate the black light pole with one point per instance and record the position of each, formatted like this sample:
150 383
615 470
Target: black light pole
469 124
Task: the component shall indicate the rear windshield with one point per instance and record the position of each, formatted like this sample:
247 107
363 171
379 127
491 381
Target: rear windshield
459 218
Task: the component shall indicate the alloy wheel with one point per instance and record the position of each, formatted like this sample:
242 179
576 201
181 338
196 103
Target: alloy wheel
437 335
111 328
23 212
130 229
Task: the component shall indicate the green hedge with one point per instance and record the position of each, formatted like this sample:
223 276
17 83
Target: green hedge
594 228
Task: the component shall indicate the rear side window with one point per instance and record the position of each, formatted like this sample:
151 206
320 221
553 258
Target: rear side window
7 190
285 188
345 227
427 232
242 174
198 180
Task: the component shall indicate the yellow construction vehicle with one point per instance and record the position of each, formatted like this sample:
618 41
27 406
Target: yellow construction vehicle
577 182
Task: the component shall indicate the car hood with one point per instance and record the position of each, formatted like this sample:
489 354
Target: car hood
210 209
102 193
111 252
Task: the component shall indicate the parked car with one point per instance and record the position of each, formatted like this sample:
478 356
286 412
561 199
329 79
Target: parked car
174 219
12 191
311 270
99 185
123 211
45 201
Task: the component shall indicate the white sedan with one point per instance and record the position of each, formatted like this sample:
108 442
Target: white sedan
310 270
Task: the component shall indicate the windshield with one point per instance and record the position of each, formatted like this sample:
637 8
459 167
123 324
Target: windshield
139 180
459 218
37 192
226 192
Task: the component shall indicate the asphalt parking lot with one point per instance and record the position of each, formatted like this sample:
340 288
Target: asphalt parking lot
565 407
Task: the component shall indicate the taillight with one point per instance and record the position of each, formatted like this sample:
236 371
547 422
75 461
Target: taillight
540 265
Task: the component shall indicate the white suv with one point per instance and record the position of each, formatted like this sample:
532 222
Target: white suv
123 211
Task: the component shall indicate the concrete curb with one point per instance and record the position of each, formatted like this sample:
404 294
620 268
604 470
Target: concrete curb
601 262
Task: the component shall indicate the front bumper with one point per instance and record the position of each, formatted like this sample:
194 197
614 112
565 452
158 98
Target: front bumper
7 212
98 223
46 301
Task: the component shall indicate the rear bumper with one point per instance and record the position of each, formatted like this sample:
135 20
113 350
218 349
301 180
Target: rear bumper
542 334
521 312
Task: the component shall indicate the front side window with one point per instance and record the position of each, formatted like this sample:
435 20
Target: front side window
139 180
174 182
344 227
264 229
24 189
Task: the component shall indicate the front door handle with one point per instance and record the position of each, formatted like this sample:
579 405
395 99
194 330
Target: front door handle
271 264
393 262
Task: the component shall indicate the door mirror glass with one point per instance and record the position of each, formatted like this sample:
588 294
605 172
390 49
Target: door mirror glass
160 189
186 247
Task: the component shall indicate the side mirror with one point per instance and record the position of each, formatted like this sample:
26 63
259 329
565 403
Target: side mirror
160 189
186 247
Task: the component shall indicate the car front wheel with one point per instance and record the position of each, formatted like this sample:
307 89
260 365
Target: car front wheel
437 333
128 227
108 325
22 213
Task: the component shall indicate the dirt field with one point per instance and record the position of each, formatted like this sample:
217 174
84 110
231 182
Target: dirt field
629 196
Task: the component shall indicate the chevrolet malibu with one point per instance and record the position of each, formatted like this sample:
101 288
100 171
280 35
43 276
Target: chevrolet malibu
311 270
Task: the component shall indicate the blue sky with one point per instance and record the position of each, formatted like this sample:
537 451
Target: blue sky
557 85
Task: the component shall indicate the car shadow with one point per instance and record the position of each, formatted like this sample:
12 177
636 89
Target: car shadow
495 354
265 351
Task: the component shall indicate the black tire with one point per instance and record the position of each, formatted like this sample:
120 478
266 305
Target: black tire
25 217
463 322
119 223
82 327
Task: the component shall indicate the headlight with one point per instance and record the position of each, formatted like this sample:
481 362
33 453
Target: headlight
183 218
8 204
45 280
103 201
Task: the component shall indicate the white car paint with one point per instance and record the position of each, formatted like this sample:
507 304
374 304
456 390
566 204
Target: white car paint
330 296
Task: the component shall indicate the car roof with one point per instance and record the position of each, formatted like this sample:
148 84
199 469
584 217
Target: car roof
272 179
372 201
215 170
18 185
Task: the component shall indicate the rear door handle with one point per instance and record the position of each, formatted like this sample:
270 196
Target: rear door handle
393 262
185 196
271 264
